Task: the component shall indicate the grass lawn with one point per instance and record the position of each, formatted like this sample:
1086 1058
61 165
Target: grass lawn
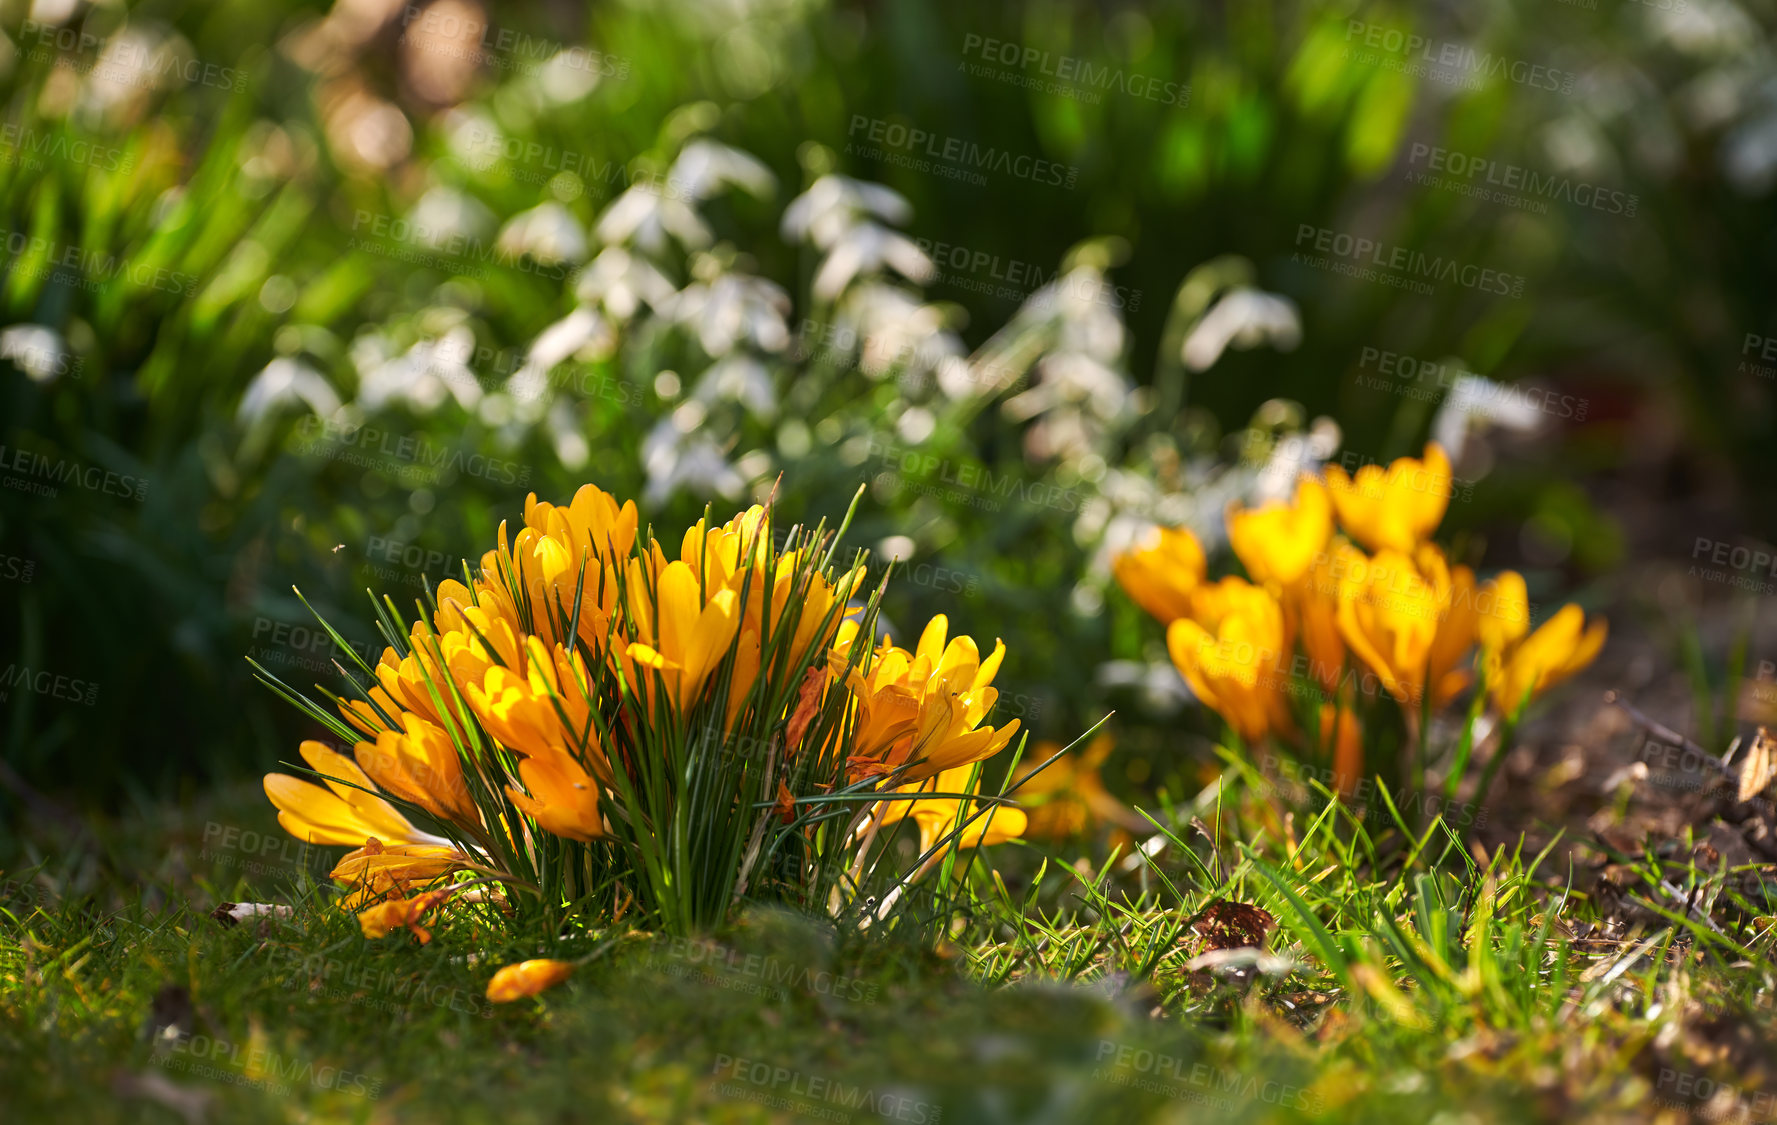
1404 982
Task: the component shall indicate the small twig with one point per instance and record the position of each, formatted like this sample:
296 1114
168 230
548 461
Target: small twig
1690 906
1662 731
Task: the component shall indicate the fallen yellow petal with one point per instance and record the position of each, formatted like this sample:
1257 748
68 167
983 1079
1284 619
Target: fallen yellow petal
527 978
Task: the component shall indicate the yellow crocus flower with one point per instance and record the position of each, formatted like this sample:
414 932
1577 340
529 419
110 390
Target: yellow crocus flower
376 869
956 699
541 704
886 700
1280 543
1311 612
1563 645
718 555
1395 508
680 637
1503 608
1229 651
563 797
938 817
1339 728
346 811
419 763
1160 573
924 709
1388 616
1069 798
1458 617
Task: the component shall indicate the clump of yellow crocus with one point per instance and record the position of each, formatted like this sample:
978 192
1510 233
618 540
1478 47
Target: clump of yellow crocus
1404 613
587 689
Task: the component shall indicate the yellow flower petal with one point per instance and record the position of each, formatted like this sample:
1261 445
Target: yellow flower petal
527 978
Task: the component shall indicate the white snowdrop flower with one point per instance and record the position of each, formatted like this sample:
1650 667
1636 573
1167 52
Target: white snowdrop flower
570 75
547 232
37 350
1706 29
475 138
704 167
867 248
444 214
644 216
621 282
894 329
132 64
833 204
1243 318
739 378
423 376
286 381
915 425
1476 402
731 309
674 459
570 443
1293 454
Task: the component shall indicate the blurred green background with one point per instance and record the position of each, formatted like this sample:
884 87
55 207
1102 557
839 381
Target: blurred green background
298 295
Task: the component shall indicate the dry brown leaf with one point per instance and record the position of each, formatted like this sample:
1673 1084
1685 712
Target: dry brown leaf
1758 766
